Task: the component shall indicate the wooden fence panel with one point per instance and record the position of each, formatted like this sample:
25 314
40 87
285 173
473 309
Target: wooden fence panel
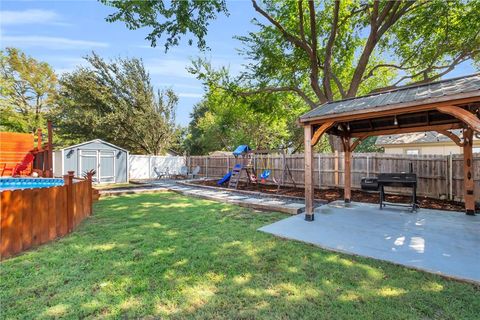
432 170
36 217
43 214
52 213
32 217
27 218
61 211
11 216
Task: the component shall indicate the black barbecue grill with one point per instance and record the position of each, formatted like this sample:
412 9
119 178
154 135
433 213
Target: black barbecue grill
398 180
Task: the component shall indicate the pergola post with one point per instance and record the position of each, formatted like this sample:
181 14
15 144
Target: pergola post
309 191
469 184
347 169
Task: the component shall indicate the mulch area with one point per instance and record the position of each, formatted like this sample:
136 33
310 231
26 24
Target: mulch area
334 194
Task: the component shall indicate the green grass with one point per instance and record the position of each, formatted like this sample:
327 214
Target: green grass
167 256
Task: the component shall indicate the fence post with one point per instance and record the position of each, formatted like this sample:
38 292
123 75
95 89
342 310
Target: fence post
335 166
368 166
68 179
228 164
450 176
149 167
90 190
206 166
319 171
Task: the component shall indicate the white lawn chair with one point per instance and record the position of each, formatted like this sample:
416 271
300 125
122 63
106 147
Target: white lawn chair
161 174
194 172
184 171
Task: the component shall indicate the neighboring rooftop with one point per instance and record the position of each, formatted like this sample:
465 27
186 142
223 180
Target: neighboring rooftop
417 137
441 90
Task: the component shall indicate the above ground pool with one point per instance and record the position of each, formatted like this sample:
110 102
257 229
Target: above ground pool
29 183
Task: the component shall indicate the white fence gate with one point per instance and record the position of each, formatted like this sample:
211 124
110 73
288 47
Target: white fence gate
142 167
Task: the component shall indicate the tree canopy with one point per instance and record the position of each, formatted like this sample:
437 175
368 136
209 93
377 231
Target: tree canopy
172 19
28 89
115 100
326 50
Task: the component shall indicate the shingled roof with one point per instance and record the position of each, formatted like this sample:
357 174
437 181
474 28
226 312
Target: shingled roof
417 137
421 94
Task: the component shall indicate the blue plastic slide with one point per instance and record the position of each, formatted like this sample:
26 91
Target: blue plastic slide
225 178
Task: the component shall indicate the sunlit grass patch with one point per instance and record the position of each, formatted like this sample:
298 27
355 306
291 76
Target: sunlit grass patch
167 256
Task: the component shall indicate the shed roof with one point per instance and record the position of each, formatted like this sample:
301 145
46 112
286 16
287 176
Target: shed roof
418 94
93 141
417 137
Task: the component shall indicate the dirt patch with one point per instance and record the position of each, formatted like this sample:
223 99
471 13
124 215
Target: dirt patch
334 194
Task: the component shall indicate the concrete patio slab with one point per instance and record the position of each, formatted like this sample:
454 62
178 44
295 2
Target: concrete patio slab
441 242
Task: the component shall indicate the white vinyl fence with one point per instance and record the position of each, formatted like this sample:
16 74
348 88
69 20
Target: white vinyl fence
142 167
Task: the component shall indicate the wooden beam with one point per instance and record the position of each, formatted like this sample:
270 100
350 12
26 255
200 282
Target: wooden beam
449 126
452 136
357 142
347 178
49 153
320 131
463 115
468 182
309 191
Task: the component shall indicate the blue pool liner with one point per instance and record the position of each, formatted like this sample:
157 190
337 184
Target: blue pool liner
29 183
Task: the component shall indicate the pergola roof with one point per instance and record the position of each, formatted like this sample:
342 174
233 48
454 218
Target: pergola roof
435 92
441 106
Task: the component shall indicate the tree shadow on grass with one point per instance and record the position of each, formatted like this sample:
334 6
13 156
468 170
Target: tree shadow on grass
167 256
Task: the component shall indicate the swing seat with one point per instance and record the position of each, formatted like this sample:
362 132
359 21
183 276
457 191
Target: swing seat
265 174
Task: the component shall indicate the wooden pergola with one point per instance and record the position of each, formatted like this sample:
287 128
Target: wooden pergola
440 106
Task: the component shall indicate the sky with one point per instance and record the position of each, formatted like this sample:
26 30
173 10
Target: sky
62 32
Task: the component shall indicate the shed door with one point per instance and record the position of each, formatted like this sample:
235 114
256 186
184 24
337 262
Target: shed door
107 166
88 161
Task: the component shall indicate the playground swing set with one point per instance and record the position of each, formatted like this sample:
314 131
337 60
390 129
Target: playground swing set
249 166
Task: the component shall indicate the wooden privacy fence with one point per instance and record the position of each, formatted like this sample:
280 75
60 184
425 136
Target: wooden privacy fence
438 176
31 217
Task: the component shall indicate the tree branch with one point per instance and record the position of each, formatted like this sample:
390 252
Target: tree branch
314 70
328 53
290 37
447 68
310 51
378 26
297 90
301 23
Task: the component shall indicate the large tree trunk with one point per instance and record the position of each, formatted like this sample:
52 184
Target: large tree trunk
335 143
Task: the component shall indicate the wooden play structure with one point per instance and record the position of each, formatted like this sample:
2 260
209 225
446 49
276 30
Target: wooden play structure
251 162
440 106
19 156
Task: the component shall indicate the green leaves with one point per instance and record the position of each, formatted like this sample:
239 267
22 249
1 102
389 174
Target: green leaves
28 89
227 118
170 19
116 101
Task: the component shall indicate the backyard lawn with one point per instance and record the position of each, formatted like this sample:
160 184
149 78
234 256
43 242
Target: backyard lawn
168 256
